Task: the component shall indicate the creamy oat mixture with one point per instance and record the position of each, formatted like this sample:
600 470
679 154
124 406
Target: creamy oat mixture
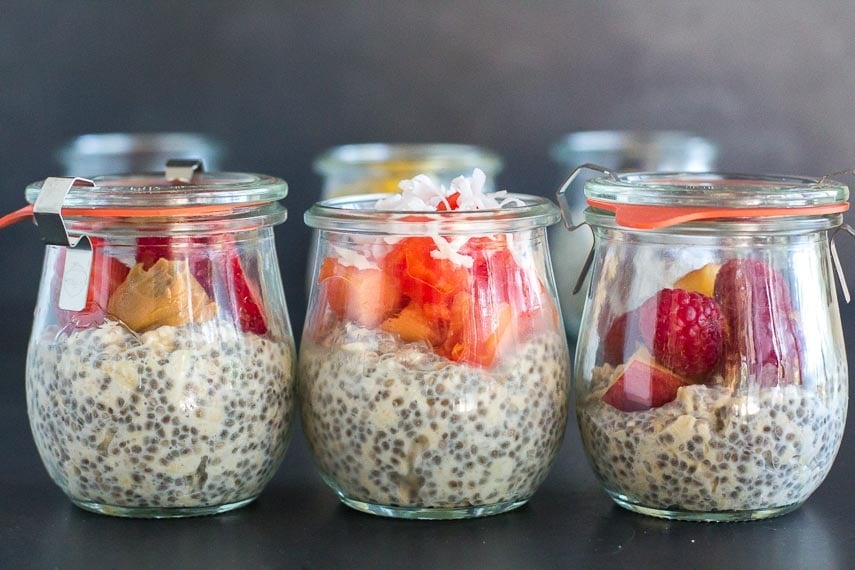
188 416
713 449
392 423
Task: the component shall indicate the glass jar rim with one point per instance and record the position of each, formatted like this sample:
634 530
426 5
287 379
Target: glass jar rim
150 191
716 189
356 214
407 157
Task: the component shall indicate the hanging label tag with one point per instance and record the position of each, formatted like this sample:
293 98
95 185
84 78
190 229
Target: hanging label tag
75 276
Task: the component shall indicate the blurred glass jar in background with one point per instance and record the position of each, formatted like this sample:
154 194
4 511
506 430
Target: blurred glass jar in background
379 167
651 151
94 154
160 375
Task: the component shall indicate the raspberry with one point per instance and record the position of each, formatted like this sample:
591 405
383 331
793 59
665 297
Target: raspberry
683 330
761 338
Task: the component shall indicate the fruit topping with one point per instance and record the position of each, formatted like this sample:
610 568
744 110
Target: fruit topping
683 330
244 295
460 295
243 301
364 296
622 338
700 280
150 249
762 338
642 384
165 294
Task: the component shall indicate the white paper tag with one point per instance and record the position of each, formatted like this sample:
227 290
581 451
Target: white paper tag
75 276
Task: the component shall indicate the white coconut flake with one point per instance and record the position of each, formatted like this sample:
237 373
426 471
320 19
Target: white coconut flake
449 250
350 258
424 194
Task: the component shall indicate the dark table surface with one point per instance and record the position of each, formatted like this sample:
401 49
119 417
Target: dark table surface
298 521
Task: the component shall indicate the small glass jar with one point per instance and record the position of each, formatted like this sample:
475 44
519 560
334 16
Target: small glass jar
379 167
622 151
434 375
167 390
711 379
95 154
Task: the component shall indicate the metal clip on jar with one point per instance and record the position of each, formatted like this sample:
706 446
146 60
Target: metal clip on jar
711 380
433 364
160 367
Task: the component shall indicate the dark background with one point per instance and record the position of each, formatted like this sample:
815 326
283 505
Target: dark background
771 81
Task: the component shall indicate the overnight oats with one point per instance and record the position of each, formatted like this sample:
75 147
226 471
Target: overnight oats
171 391
719 392
433 368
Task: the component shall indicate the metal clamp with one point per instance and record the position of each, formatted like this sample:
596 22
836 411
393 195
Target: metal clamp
561 194
827 178
47 210
182 170
836 259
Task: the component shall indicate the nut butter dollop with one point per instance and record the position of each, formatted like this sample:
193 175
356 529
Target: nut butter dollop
165 294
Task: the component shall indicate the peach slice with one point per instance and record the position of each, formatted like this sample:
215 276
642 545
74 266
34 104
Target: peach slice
701 280
643 384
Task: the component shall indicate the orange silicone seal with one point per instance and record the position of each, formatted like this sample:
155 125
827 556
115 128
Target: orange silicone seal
199 210
652 217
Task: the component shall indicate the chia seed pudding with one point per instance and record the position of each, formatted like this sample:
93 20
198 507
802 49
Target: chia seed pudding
392 423
715 449
197 415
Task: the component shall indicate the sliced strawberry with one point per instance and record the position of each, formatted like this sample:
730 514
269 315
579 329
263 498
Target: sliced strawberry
150 249
106 275
452 203
243 294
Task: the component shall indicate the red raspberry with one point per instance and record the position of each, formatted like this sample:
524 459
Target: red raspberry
683 330
762 340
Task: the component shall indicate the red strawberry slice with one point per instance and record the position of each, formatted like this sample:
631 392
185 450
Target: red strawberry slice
452 203
683 330
244 295
762 338
150 249
643 385
106 275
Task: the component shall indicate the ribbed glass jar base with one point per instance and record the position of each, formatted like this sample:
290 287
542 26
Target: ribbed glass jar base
159 512
703 516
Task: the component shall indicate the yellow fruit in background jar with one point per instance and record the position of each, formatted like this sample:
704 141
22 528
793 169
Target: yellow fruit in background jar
700 280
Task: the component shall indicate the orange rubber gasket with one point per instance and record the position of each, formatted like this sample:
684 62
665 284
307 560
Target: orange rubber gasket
647 217
27 212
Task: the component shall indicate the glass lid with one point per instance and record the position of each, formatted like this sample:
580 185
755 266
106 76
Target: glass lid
154 191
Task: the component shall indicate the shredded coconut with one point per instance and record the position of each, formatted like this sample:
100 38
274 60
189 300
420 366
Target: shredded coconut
424 193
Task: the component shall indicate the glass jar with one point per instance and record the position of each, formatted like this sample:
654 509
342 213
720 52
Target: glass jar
639 151
711 379
379 167
433 366
160 372
94 154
